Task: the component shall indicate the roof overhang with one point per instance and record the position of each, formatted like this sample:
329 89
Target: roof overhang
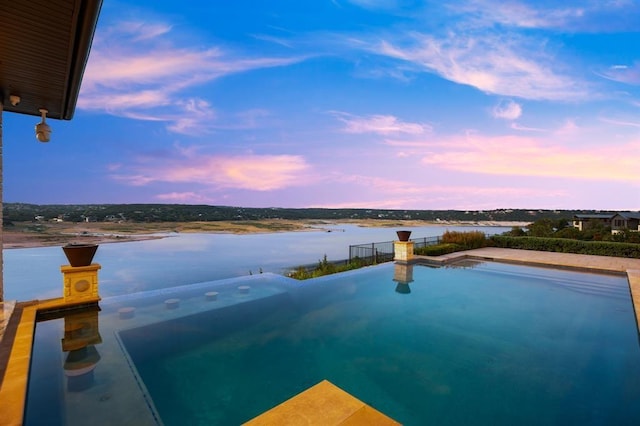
44 47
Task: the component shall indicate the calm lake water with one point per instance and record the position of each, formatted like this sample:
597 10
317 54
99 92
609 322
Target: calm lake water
182 259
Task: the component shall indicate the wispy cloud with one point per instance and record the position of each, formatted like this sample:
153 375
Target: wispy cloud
628 74
374 192
376 4
585 16
182 197
518 126
136 71
189 166
617 122
502 64
197 119
379 124
273 39
517 14
508 110
489 47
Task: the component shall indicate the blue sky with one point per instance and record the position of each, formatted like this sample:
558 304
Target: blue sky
470 104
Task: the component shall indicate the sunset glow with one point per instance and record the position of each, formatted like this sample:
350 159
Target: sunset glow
471 104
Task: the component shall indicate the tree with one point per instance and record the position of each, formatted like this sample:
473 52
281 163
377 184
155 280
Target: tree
541 228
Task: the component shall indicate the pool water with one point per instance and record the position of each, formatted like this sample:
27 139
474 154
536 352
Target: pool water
479 343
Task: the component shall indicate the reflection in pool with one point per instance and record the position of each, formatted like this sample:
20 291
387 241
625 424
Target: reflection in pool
482 343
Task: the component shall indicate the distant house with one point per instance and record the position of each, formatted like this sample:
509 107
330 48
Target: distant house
625 220
585 221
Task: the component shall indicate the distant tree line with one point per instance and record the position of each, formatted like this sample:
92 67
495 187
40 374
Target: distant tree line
21 212
562 228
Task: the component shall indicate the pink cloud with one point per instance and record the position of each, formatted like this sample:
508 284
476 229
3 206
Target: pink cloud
518 126
418 196
522 156
250 172
182 197
136 71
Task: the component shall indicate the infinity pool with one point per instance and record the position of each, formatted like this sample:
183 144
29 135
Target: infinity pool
476 343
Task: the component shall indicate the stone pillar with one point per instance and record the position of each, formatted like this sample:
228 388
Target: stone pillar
80 283
403 251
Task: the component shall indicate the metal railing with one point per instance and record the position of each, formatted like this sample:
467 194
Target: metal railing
374 253
383 252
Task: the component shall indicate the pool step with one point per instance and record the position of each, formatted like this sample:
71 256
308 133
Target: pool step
604 288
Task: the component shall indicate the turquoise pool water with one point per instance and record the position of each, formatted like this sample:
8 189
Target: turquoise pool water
480 343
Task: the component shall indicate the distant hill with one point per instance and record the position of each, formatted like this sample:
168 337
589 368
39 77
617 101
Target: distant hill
20 212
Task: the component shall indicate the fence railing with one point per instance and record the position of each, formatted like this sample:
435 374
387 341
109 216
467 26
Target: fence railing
383 252
374 253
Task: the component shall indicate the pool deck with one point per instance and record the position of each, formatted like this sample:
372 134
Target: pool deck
18 339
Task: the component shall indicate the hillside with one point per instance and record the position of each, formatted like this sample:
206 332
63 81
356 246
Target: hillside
146 213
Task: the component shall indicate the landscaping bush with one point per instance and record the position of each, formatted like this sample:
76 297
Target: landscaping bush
516 231
438 249
466 240
325 267
600 248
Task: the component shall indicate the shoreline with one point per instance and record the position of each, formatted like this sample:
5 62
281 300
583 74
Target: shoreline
34 235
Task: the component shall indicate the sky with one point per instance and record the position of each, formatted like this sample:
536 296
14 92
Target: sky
389 104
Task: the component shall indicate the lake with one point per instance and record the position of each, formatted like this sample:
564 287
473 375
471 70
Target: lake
181 259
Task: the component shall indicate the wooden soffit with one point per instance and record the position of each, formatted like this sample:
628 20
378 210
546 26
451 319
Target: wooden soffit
44 47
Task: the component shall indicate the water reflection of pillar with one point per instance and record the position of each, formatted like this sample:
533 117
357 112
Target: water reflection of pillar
81 334
403 275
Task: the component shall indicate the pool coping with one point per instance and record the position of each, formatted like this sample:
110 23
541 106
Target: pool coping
13 388
13 384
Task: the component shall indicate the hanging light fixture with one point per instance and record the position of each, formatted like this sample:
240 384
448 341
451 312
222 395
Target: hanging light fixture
43 131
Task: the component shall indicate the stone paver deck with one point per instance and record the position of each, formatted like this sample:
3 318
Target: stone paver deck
6 309
323 405
531 257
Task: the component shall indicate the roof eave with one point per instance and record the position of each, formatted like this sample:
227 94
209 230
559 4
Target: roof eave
84 37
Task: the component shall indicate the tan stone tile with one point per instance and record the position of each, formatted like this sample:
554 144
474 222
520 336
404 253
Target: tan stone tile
323 405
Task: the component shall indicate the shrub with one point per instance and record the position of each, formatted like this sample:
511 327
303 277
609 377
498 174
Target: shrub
571 233
325 267
438 249
466 240
600 248
516 231
541 228
626 236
